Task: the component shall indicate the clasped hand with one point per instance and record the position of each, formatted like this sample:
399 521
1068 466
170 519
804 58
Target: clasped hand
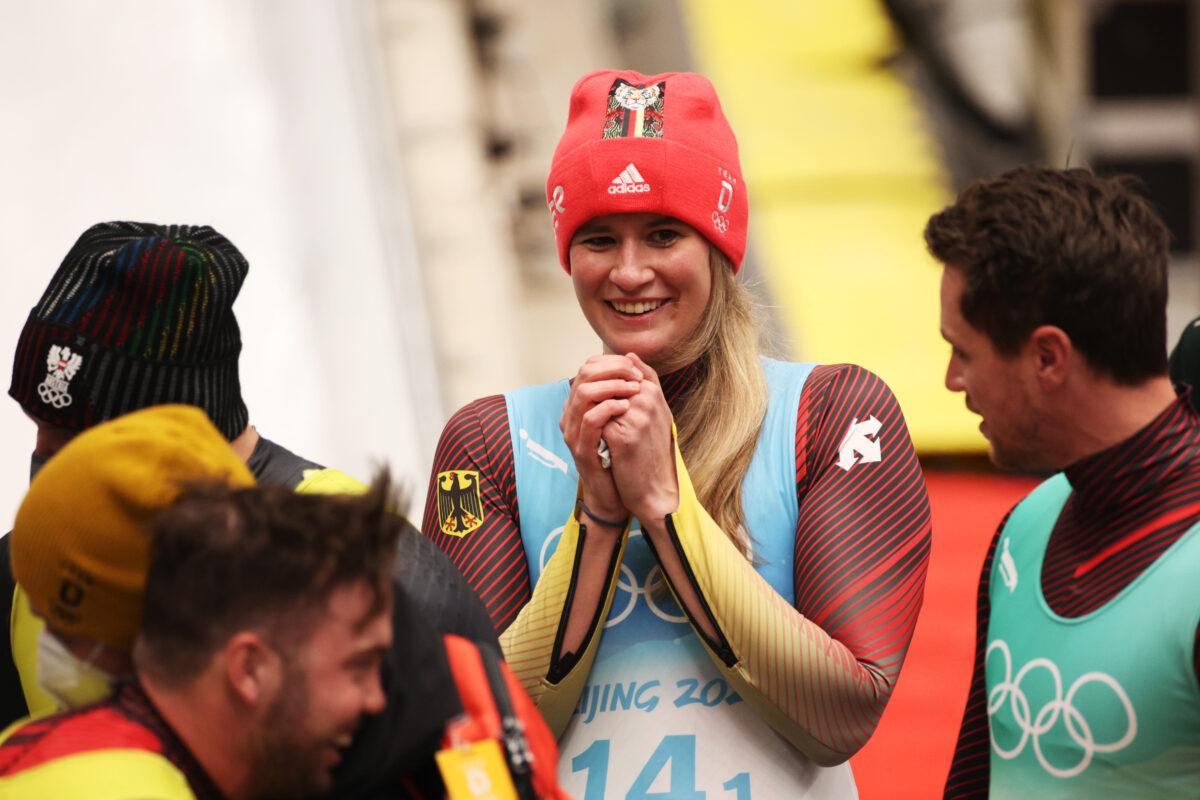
619 398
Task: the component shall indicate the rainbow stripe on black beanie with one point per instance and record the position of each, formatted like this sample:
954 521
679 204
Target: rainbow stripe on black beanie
137 315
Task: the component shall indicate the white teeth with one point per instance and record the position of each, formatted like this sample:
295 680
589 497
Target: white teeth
637 308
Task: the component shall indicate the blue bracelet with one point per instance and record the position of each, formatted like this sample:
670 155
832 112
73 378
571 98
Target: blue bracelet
601 520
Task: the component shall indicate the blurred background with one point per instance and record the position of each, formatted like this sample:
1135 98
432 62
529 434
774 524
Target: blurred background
381 163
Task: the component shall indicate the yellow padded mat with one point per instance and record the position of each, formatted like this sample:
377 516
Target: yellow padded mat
842 177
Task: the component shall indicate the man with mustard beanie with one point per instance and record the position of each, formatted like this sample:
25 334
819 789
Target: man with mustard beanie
258 591
79 544
80 547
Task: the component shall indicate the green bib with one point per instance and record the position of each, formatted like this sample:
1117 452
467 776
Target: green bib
1104 705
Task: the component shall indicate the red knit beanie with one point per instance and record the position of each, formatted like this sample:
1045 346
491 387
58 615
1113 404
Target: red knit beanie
655 144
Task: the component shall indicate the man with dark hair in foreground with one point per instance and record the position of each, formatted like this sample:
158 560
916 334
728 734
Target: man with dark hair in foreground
267 617
1053 300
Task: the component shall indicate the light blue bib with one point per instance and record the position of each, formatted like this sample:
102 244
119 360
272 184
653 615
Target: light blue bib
656 715
1100 706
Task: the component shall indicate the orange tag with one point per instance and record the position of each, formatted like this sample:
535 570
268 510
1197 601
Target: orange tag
476 772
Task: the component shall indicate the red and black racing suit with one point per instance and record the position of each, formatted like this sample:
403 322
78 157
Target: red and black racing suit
127 720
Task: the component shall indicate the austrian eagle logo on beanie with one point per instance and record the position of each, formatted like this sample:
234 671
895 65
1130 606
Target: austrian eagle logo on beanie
61 366
655 144
137 315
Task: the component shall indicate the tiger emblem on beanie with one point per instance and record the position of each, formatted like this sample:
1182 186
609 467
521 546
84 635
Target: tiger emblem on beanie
634 110
635 97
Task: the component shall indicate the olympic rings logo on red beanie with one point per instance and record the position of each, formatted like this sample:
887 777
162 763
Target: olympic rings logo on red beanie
656 144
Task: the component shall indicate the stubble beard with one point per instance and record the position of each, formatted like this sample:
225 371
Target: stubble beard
287 766
1024 451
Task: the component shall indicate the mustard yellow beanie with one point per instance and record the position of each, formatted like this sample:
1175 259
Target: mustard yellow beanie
80 544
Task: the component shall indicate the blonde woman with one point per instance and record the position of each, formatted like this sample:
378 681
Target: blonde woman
706 565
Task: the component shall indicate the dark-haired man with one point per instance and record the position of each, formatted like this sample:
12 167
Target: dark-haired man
1053 300
267 616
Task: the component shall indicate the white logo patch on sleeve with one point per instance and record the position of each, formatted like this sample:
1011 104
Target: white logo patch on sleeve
861 444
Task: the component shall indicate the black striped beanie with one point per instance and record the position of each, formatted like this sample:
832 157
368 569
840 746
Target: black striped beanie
137 315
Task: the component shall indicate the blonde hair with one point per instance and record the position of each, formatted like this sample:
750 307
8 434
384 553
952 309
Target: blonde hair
719 425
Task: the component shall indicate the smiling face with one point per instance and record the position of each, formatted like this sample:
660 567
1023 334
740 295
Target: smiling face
643 282
331 681
1001 389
